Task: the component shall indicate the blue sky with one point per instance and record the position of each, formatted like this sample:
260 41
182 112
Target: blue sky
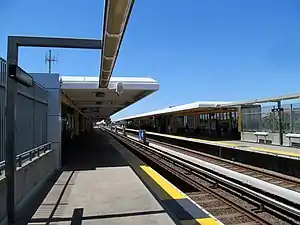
196 49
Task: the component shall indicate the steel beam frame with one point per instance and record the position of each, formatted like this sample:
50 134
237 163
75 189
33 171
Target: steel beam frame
116 17
56 42
14 42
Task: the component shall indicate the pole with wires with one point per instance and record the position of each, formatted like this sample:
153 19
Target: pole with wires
49 59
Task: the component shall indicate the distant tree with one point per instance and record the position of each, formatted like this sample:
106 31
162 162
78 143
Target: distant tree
296 120
270 122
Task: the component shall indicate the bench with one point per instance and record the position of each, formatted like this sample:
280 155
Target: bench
261 134
290 136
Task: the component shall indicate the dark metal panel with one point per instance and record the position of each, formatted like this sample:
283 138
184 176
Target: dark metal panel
57 42
10 156
3 79
18 127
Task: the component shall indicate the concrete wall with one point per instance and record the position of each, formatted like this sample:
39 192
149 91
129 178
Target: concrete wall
29 179
31 176
31 114
272 137
51 82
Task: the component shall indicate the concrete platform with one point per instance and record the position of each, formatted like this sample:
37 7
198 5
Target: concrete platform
280 151
98 186
102 182
105 196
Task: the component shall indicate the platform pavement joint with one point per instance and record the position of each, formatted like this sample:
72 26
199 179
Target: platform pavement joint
180 207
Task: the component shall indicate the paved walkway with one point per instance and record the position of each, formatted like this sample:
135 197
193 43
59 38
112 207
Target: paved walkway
97 186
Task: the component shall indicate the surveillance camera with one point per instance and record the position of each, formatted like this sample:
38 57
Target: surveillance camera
119 89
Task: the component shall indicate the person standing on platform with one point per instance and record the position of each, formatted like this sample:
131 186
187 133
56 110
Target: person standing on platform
187 128
170 129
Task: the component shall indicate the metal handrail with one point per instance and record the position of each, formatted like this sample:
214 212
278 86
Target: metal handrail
30 154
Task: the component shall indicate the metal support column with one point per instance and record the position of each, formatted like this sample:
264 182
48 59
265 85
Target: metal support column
291 119
195 121
34 117
209 125
10 164
85 125
280 122
76 122
240 114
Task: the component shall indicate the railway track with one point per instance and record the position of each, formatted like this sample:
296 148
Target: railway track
282 180
272 177
230 203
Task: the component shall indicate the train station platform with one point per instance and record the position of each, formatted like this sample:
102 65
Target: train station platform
275 150
104 183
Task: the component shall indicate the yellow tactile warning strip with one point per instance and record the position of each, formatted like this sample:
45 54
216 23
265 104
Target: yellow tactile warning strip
170 189
207 221
273 151
232 145
276 152
180 202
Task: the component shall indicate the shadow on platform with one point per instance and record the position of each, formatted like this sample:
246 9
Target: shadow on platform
86 152
77 217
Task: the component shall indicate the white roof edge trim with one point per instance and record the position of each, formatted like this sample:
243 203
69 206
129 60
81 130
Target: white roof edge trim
113 79
206 104
267 100
194 105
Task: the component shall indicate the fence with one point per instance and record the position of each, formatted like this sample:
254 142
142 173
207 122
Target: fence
266 118
31 115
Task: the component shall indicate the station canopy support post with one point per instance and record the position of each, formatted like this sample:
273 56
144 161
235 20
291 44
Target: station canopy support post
13 44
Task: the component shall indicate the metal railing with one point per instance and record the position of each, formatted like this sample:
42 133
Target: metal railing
28 156
267 119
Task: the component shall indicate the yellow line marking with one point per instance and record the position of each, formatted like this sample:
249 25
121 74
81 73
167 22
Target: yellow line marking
174 193
230 144
277 152
226 144
208 221
235 145
163 183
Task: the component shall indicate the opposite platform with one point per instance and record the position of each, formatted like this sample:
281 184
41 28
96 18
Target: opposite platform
280 151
